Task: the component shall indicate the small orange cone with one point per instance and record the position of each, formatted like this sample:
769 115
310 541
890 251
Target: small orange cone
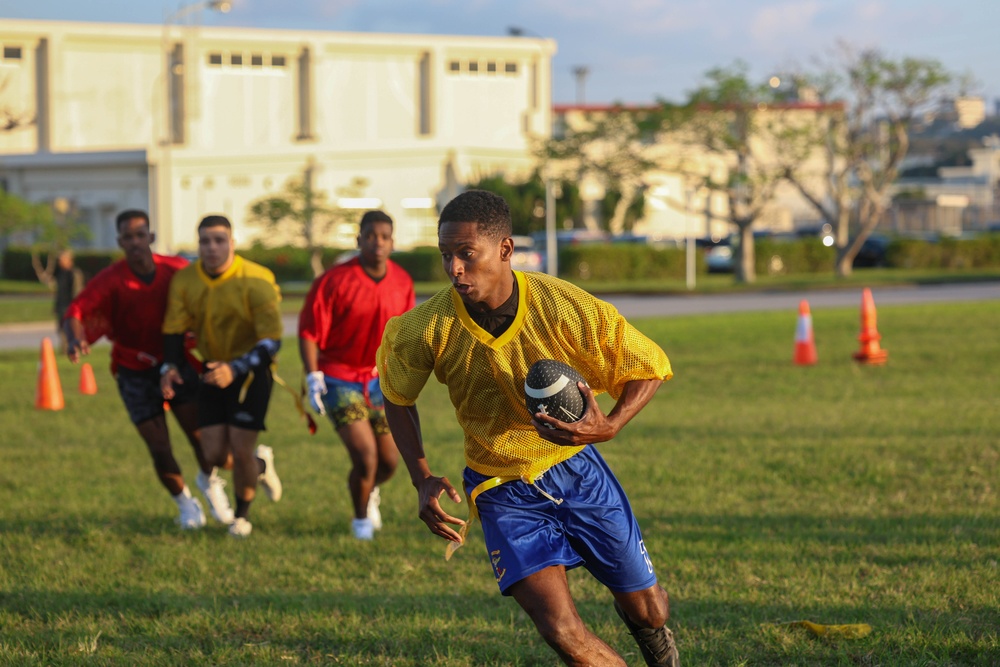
805 347
870 353
88 385
48 394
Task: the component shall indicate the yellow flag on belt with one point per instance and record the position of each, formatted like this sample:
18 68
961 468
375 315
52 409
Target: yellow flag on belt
853 631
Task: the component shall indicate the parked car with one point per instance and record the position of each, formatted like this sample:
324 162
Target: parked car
719 257
872 253
526 257
569 237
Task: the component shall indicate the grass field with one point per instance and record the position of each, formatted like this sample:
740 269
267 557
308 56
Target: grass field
767 493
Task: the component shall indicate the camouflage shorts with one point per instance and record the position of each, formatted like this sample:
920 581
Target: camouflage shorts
348 402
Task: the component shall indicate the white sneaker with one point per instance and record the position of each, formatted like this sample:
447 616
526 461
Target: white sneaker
192 516
374 515
363 529
240 528
214 489
269 478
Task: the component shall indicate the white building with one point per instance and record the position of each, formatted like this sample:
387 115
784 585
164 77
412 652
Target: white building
186 120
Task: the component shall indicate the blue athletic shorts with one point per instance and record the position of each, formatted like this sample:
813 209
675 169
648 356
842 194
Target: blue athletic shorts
347 402
594 526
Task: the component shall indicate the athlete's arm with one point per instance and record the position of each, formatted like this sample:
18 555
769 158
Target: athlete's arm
76 339
404 422
222 374
595 426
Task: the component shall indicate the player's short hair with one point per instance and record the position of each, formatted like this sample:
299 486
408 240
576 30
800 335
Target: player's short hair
215 221
129 214
488 210
371 217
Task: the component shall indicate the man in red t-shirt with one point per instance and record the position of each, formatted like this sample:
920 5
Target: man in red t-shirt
340 328
126 303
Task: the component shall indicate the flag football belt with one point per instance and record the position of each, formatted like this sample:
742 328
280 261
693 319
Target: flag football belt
296 397
491 483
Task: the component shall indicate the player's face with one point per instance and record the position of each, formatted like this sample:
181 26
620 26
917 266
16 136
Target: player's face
135 239
216 249
375 244
478 265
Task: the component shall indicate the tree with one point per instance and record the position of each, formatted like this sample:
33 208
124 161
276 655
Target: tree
725 139
305 212
609 146
866 144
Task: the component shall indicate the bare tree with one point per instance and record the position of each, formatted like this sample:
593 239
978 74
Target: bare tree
730 127
865 144
610 146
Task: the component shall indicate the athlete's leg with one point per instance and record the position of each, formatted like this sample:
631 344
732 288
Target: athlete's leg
359 440
246 466
545 597
187 416
388 458
157 438
648 608
645 615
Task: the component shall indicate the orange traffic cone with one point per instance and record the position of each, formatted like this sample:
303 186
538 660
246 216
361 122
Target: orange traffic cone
88 385
805 347
870 352
48 394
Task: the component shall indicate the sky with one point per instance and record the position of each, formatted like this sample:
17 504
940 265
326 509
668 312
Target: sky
635 51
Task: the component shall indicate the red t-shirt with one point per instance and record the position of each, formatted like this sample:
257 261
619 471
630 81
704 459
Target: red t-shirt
345 313
117 304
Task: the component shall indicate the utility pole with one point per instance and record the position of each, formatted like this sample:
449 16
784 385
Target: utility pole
580 72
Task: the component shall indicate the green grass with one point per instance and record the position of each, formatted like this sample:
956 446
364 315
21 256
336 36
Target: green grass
767 493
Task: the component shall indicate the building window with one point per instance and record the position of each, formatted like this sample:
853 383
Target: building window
277 61
491 67
256 60
236 59
510 68
455 66
12 53
473 66
215 59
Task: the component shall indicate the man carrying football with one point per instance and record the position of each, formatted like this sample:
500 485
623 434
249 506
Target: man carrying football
545 497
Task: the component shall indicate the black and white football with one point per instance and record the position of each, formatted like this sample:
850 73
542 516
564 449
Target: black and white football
550 388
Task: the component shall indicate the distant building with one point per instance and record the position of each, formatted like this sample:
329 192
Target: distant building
971 111
187 120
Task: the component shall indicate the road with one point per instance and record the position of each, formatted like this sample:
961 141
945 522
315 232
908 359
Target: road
29 335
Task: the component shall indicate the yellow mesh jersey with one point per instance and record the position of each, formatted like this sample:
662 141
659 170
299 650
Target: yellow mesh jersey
228 314
485 375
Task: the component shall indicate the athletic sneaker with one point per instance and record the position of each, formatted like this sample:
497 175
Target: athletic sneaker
269 478
214 489
657 646
363 529
374 515
240 528
192 516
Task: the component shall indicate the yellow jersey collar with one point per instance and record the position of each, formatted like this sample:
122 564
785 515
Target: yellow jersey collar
484 336
226 275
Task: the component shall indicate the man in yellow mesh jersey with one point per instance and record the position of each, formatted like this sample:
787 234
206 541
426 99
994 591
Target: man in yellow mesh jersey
546 499
232 306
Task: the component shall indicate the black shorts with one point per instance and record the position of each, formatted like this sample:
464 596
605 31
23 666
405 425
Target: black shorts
140 391
223 406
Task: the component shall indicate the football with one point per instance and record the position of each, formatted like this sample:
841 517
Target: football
550 388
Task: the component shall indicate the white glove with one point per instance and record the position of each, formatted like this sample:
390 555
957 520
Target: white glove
316 384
